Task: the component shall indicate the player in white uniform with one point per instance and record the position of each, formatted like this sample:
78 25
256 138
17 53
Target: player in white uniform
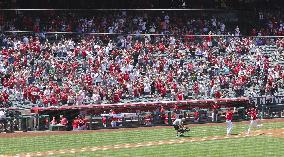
253 123
178 124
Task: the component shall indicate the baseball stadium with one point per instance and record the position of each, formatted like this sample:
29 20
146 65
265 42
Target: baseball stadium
142 78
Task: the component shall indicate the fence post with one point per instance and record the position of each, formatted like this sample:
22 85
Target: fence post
169 118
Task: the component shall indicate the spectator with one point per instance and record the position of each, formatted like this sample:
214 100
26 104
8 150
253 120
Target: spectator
109 69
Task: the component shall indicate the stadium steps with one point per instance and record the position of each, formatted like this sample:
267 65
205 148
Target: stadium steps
280 91
268 49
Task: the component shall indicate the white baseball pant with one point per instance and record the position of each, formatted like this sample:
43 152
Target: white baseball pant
229 126
253 123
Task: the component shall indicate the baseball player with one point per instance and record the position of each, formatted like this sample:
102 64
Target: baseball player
178 124
229 118
215 112
253 123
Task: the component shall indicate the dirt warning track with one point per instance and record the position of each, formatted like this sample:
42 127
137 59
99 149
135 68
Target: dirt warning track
48 133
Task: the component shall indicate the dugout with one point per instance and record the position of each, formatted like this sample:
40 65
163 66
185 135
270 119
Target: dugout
169 117
42 122
146 118
26 123
96 122
94 111
43 117
270 106
272 110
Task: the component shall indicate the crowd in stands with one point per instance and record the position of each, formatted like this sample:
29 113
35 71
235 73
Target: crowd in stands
135 4
120 68
117 22
140 22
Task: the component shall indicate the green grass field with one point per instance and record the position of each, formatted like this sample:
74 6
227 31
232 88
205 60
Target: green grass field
249 146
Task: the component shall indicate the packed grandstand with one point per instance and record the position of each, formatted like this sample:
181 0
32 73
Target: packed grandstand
59 58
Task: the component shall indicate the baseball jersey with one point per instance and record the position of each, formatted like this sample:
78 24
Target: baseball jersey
64 121
229 115
177 122
253 115
104 120
75 123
